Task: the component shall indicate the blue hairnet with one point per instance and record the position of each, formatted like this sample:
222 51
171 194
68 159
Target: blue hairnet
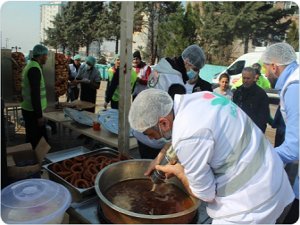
194 55
39 50
77 57
91 60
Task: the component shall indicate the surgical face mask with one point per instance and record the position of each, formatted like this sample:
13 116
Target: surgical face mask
88 67
191 74
167 137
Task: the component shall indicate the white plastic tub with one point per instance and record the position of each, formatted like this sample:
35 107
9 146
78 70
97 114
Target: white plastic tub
34 201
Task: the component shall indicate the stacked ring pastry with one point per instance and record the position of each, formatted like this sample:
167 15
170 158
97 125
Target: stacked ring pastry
18 64
81 171
61 74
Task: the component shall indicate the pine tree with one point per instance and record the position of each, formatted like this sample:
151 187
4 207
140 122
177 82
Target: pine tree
224 22
293 36
178 31
156 12
56 37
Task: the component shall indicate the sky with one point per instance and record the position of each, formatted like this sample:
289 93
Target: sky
20 24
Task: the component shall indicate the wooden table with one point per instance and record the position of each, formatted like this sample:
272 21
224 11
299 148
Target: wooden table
104 136
56 116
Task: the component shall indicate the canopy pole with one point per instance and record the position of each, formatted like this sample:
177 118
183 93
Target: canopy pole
127 9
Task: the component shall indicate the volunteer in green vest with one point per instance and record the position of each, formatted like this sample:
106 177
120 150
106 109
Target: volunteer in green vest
112 93
261 80
34 96
111 71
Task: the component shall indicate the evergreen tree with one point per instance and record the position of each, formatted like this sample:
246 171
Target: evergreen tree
293 36
56 37
111 28
73 32
156 12
178 31
215 30
224 22
260 20
88 21
111 22
81 21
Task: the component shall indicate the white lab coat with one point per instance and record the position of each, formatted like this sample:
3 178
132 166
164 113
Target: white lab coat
140 87
206 130
163 76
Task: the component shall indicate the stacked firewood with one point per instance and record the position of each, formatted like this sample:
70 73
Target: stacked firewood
61 74
18 64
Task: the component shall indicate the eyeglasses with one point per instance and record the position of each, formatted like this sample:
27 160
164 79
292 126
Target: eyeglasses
153 81
191 66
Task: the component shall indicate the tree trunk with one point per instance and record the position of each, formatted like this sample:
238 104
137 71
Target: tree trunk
99 52
117 45
155 32
246 44
151 35
87 49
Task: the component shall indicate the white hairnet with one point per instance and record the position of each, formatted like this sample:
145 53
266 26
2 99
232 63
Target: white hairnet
195 56
279 53
148 107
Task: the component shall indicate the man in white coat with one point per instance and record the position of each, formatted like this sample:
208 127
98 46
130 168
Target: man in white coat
178 70
224 159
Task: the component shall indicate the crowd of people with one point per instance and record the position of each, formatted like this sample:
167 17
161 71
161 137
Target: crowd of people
218 135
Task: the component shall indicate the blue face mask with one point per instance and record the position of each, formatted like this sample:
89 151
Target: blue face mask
88 67
191 74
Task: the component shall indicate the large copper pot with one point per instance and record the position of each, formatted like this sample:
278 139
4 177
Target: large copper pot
134 169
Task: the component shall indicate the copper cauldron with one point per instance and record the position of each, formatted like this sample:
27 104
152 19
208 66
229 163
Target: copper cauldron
134 169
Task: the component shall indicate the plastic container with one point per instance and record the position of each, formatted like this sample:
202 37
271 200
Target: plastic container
34 201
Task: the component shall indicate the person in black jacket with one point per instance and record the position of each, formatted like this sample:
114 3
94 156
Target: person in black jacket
252 99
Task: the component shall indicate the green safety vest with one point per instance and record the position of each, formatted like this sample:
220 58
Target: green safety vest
116 95
26 90
262 82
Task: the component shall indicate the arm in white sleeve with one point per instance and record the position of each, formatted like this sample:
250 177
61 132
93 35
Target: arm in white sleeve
195 154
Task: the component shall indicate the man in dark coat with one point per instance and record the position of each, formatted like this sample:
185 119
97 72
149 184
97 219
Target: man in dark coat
252 99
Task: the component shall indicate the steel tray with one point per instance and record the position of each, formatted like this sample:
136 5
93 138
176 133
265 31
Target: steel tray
79 193
66 154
